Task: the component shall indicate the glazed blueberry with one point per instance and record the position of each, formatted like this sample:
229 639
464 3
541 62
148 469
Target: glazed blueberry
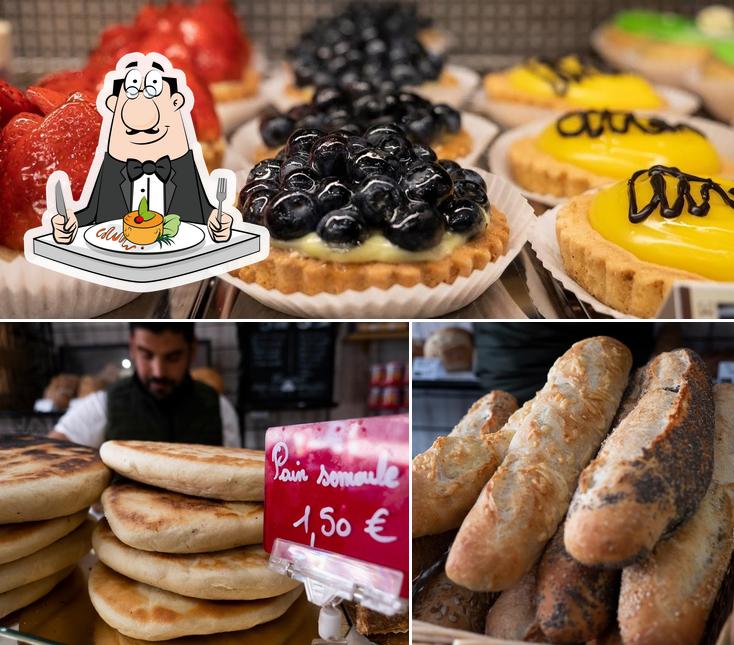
291 164
377 198
332 193
421 126
342 227
469 190
369 162
291 215
448 117
377 133
328 96
397 147
275 129
304 179
427 182
474 177
301 140
415 227
329 155
369 107
350 130
423 153
265 170
451 167
253 210
465 217
252 187
297 112
312 121
356 144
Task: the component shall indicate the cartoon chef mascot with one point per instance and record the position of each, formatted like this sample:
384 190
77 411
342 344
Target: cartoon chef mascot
147 149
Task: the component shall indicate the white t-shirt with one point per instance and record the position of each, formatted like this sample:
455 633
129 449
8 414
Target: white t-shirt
86 419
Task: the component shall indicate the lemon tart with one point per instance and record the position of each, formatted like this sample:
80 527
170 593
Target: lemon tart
569 83
590 148
626 244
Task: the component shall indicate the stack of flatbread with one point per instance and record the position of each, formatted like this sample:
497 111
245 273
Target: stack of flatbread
180 549
46 488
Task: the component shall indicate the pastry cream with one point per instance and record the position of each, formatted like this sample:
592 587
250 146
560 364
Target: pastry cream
703 245
376 248
584 86
625 143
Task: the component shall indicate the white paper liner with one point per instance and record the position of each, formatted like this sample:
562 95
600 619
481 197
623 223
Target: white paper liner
30 291
667 72
542 237
274 88
721 137
410 302
511 114
241 152
717 94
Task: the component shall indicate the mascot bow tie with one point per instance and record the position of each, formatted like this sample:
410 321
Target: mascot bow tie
160 168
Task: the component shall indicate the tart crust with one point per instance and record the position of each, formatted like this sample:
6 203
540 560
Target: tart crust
289 271
536 170
497 87
224 91
659 50
609 272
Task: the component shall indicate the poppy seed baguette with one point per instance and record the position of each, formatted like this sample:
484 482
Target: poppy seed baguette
555 436
652 471
667 597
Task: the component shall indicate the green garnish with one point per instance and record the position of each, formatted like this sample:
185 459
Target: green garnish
143 210
170 229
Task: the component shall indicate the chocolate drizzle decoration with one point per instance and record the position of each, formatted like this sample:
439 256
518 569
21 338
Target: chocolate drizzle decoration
657 175
617 122
561 73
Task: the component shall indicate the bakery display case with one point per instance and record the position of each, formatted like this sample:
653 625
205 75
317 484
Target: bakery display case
158 499
538 506
408 161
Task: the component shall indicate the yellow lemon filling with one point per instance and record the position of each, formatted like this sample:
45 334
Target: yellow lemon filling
619 154
585 87
701 245
376 248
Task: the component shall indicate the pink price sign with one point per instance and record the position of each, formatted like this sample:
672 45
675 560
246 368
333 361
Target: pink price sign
342 487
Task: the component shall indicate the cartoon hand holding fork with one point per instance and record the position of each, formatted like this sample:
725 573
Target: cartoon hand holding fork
220 223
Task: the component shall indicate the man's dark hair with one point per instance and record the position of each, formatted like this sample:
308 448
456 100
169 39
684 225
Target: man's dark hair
186 329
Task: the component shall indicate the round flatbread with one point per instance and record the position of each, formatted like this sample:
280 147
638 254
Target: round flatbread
19 540
61 554
140 611
280 631
152 519
235 574
25 595
42 478
214 472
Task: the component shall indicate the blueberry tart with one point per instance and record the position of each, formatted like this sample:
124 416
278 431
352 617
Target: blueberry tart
354 211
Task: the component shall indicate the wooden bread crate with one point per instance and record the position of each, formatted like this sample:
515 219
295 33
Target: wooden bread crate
719 629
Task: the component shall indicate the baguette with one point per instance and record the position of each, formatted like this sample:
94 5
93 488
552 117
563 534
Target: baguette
666 598
440 602
448 477
652 471
576 603
555 436
512 616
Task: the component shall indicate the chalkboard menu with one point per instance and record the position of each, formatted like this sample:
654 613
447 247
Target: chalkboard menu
287 365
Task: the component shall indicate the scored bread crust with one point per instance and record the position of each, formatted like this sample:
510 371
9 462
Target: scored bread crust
43 478
234 574
153 519
652 471
214 472
608 272
576 603
142 611
556 435
288 271
486 415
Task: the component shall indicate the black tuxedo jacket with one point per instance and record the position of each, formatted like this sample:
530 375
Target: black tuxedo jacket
112 194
